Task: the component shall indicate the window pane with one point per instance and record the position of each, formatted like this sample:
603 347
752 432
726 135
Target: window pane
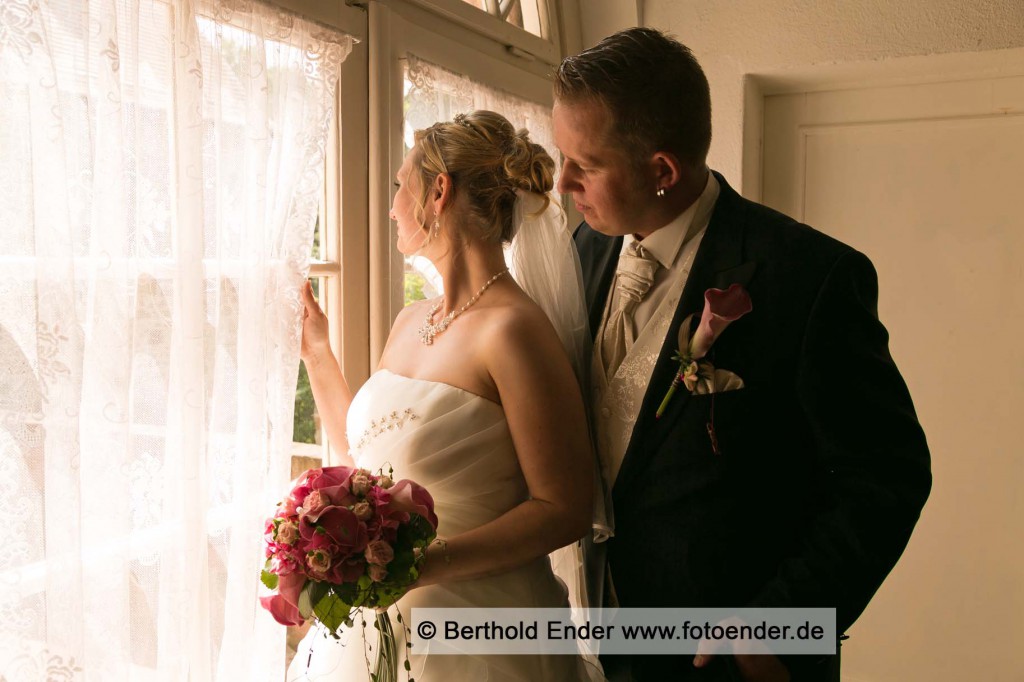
529 12
421 279
522 13
316 241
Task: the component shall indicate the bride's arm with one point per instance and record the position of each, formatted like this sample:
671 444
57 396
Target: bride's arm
330 390
545 414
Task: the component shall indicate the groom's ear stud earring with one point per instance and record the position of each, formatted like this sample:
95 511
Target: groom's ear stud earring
660 192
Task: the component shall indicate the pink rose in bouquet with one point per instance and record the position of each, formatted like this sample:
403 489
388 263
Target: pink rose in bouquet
343 539
287 533
360 483
363 511
378 573
379 552
315 502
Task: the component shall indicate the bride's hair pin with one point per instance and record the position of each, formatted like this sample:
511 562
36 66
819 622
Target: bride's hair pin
483 151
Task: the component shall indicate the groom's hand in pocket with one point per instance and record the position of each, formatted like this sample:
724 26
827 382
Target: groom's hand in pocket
753 664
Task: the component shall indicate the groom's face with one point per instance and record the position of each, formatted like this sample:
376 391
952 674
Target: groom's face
595 171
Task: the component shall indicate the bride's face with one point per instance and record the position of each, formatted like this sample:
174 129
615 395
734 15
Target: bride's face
411 232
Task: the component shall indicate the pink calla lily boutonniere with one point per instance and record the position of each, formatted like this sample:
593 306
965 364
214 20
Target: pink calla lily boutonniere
722 307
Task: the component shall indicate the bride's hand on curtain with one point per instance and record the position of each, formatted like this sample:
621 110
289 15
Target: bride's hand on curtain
330 390
316 338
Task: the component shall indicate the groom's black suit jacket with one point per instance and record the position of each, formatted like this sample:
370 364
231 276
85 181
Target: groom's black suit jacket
822 467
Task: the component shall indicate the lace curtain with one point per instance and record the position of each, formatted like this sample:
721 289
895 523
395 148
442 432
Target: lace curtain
159 179
436 94
432 94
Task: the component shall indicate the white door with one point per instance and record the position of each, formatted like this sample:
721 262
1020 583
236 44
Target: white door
928 181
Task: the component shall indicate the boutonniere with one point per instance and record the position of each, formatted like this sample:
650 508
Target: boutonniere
722 307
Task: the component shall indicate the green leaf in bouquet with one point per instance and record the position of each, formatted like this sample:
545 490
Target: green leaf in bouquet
332 612
269 579
305 605
386 596
311 594
349 593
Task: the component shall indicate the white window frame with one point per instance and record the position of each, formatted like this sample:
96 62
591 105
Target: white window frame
520 42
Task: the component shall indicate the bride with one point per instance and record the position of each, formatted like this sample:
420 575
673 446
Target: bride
475 397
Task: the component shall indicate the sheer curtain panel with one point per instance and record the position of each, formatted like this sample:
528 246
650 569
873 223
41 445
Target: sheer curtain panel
160 169
433 93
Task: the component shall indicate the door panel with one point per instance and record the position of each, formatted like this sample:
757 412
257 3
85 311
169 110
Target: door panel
928 181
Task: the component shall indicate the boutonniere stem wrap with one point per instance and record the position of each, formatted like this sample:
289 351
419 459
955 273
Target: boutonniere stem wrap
696 374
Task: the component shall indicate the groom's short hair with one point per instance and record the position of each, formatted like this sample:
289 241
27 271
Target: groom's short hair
653 87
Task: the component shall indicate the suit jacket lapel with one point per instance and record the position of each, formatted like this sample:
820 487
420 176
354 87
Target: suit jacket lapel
599 256
718 263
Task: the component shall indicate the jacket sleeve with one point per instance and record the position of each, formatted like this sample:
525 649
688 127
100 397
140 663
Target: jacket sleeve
868 440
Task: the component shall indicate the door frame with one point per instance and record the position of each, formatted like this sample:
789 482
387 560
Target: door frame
936 68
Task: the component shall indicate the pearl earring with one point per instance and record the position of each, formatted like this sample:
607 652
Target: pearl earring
660 192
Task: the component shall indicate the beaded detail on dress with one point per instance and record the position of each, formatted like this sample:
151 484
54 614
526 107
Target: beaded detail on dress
390 422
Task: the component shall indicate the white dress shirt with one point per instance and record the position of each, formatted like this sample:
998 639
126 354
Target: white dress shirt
666 245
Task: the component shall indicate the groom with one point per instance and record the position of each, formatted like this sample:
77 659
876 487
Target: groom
799 489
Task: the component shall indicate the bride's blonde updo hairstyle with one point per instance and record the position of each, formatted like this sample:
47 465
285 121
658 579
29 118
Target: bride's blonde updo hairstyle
487 160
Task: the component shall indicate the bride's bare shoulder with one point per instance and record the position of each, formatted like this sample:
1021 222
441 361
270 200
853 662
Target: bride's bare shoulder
413 313
519 325
524 356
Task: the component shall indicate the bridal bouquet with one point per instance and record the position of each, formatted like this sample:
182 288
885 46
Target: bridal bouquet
344 539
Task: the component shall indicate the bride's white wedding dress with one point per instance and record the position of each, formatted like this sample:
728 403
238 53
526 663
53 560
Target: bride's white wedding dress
457 445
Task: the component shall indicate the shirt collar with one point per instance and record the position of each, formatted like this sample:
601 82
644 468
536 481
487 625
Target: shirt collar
665 243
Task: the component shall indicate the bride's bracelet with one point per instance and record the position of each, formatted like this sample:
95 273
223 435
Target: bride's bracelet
444 550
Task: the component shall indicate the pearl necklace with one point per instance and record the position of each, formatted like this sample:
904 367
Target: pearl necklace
429 330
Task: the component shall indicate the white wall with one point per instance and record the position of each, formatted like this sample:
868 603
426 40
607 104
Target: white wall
600 18
740 37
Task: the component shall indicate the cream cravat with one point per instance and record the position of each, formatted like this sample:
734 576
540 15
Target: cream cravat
633 278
